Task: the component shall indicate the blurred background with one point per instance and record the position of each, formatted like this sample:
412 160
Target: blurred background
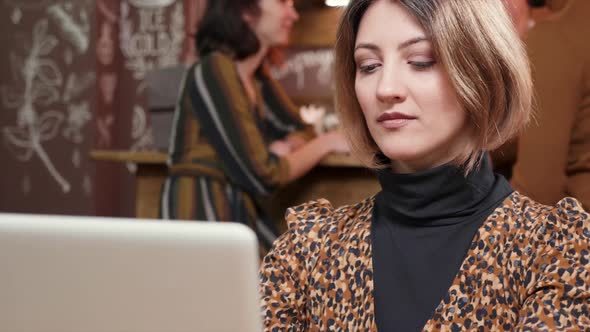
74 79
87 90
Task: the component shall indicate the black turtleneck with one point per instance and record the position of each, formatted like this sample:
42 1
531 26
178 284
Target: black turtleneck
423 224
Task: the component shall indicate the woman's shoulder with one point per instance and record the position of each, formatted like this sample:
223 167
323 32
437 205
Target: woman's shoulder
548 260
565 206
549 222
314 225
569 218
217 71
321 215
217 58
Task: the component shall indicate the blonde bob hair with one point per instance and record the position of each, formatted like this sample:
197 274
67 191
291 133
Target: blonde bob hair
478 46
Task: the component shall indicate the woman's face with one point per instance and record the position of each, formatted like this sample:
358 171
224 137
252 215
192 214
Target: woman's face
409 104
274 24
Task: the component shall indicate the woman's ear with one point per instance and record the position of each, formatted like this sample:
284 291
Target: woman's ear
248 17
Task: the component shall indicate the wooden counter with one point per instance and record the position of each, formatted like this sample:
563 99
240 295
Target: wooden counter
338 178
158 157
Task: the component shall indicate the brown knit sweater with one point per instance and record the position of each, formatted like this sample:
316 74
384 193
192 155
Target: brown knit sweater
553 156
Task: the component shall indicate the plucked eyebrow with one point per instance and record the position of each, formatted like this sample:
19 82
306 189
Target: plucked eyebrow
411 42
400 47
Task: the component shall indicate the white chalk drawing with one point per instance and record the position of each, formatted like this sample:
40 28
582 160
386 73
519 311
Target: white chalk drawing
28 4
76 33
78 116
76 159
16 15
103 126
105 45
141 134
41 78
106 12
177 37
68 56
26 185
154 41
37 89
298 63
87 185
141 87
138 122
76 84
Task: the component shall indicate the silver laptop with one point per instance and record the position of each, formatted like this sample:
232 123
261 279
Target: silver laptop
86 274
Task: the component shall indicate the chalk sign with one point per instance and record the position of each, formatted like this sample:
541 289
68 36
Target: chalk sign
307 73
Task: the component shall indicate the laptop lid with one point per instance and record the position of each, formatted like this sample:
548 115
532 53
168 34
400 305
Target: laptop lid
78 274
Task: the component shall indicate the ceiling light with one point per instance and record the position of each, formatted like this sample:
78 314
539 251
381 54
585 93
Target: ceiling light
336 3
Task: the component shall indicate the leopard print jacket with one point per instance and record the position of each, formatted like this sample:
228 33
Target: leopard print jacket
527 269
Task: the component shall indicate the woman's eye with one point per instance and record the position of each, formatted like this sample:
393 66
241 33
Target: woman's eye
367 69
421 65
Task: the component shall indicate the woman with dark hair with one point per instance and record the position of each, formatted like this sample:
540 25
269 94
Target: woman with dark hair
424 89
236 135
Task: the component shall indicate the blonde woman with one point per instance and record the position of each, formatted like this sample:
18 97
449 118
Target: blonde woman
425 88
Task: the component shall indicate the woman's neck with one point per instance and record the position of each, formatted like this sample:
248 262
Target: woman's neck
246 69
442 195
248 66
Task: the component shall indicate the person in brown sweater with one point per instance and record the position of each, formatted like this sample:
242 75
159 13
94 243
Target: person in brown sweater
553 152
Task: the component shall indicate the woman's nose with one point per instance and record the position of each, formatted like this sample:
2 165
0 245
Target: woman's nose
292 11
390 87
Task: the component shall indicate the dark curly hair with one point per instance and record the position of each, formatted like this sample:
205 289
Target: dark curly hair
223 28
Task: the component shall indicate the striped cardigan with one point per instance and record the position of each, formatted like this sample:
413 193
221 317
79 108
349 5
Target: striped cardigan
218 158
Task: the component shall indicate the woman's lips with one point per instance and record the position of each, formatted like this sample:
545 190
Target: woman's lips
394 120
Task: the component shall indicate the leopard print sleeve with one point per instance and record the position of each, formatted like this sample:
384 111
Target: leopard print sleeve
558 280
286 267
